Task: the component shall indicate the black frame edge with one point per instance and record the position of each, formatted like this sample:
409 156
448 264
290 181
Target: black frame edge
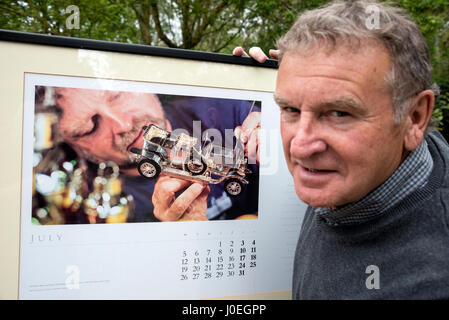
81 43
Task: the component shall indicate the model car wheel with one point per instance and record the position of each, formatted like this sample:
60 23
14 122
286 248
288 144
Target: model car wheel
149 168
196 167
233 187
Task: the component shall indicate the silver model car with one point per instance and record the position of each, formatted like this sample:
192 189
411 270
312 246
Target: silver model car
180 157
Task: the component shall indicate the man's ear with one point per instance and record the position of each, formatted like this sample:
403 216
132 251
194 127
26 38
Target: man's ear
418 117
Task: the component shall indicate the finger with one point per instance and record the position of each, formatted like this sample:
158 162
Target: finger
170 184
164 194
240 135
258 155
205 192
238 51
274 53
237 132
198 208
251 122
252 146
164 191
180 205
258 54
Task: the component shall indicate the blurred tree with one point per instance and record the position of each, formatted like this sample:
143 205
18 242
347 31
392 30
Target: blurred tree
270 19
432 17
101 19
207 25
189 24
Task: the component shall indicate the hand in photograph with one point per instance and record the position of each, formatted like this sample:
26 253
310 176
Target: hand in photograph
190 204
248 134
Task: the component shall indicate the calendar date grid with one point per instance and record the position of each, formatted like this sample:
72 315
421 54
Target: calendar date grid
223 259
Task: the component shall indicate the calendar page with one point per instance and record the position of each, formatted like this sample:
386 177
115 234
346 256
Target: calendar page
140 190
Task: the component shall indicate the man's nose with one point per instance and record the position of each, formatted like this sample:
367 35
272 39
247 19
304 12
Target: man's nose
307 140
119 122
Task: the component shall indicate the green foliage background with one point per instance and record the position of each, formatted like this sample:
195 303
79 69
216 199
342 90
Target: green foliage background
213 25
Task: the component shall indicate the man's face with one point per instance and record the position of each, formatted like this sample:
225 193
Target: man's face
104 125
339 137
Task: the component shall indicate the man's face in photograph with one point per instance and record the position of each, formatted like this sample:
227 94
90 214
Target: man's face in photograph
104 125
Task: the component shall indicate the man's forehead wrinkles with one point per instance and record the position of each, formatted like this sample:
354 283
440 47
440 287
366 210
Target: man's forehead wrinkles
355 68
335 61
328 76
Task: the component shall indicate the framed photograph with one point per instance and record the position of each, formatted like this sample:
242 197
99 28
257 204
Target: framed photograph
135 172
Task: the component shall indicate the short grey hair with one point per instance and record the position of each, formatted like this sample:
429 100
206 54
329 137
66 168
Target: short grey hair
346 22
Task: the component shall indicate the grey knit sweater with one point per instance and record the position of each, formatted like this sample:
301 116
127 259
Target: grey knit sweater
403 254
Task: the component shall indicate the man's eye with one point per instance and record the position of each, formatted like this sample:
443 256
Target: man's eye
95 120
291 110
339 114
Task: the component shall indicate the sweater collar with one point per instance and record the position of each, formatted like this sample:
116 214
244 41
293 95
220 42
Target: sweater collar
411 175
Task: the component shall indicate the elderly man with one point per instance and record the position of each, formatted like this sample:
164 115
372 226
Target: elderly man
355 102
